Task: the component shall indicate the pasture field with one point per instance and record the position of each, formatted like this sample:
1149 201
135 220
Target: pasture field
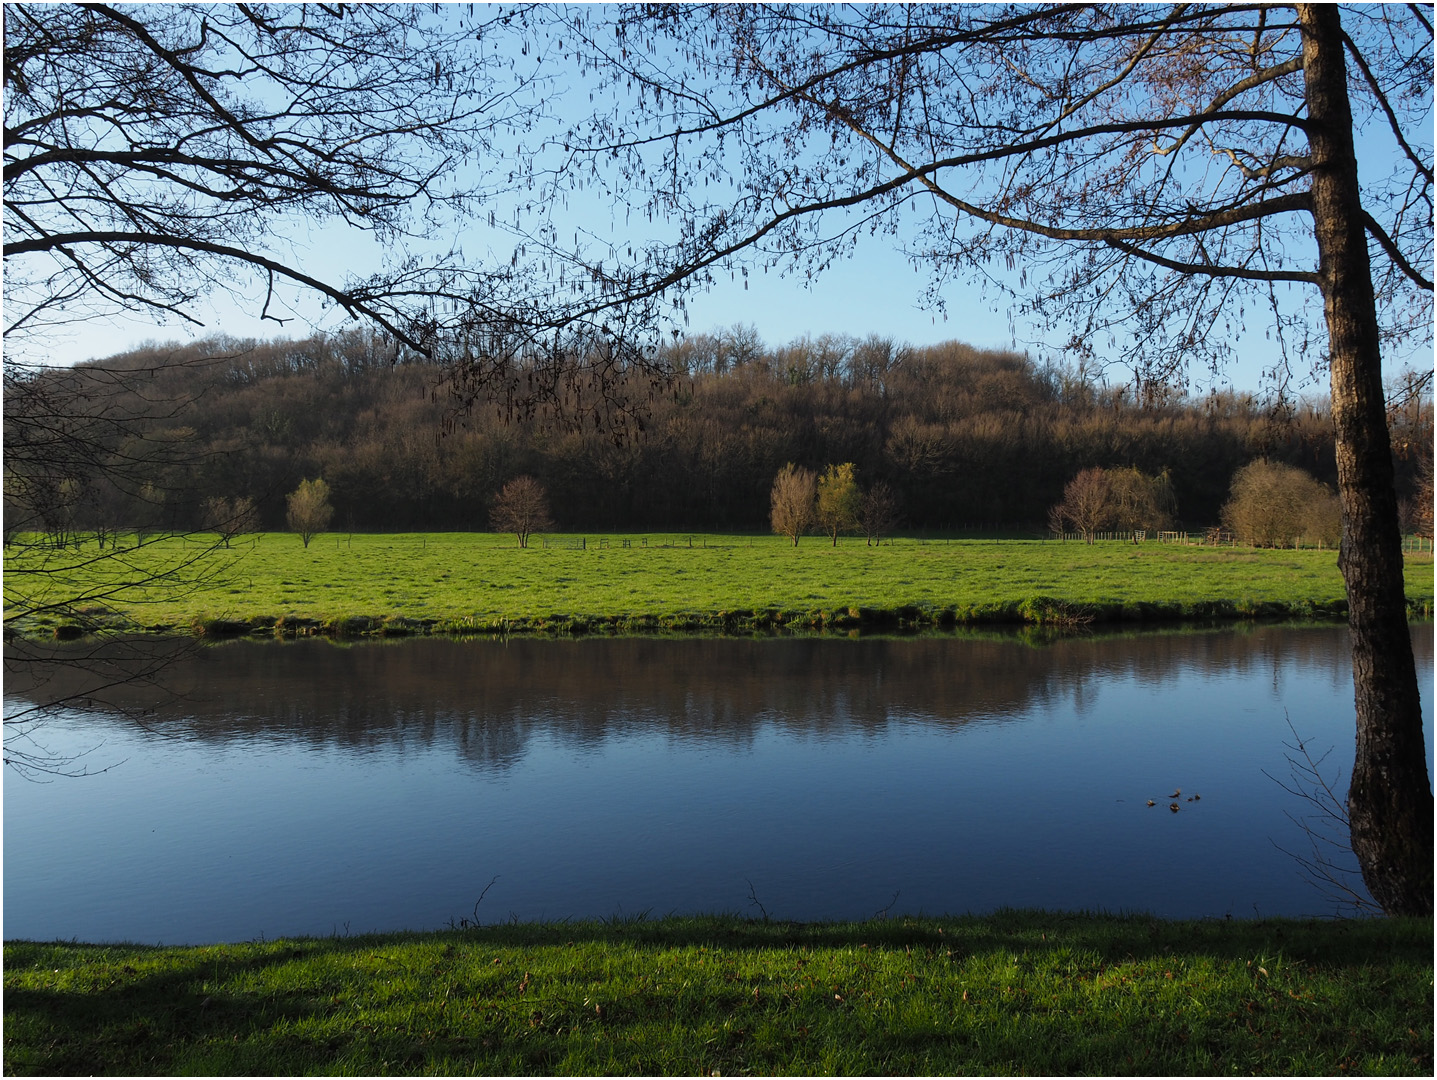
484 583
1026 993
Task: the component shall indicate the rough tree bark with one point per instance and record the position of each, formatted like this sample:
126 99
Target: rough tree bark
1390 800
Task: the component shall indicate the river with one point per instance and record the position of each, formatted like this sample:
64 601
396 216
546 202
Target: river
308 787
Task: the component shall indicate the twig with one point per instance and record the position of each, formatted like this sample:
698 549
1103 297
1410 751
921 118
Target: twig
753 899
481 898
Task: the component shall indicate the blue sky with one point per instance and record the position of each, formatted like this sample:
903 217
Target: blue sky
876 291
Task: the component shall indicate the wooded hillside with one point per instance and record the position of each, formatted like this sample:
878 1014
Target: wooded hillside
967 438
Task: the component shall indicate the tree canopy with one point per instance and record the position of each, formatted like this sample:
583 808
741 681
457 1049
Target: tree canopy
1144 171
154 153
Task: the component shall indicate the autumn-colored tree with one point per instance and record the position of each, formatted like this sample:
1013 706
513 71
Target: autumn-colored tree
838 500
1274 505
308 511
792 501
522 508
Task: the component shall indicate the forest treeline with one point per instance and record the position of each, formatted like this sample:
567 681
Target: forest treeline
965 438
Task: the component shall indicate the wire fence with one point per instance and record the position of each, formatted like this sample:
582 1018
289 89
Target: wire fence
1207 538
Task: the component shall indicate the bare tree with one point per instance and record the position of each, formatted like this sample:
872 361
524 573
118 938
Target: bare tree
522 508
792 501
153 153
877 512
1086 504
307 509
1150 174
156 153
79 464
230 517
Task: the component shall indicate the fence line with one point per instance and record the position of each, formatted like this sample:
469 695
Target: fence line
1221 538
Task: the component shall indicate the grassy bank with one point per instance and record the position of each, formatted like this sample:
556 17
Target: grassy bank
1018 992
481 583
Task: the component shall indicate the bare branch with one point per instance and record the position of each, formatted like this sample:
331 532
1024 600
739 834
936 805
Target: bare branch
1380 235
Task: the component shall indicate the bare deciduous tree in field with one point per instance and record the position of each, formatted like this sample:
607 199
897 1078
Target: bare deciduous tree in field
792 501
877 512
838 500
1085 504
522 508
1153 175
307 509
231 517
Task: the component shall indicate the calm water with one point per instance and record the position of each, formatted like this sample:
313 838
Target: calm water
309 788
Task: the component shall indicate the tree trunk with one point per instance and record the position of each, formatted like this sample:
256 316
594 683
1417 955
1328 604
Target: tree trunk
1390 800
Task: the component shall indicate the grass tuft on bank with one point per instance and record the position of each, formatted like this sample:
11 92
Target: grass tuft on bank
1009 993
393 585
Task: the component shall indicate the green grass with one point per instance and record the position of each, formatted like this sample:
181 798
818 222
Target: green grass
460 582
1010 993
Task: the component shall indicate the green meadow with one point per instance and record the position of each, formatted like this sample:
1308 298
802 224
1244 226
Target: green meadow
484 583
1025 993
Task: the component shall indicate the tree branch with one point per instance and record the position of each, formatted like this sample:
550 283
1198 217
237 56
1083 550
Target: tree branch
1380 235
352 304
1361 61
1209 270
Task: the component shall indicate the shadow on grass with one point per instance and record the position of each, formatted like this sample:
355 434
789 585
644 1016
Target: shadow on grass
256 1006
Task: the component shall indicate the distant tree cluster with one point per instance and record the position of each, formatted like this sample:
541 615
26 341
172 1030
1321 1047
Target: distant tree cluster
947 436
801 500
1269 505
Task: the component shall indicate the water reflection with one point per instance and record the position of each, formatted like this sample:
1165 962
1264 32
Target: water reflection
489 700
301 787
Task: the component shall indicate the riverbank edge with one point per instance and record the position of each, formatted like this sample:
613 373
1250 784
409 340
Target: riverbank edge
1040 611
1026 992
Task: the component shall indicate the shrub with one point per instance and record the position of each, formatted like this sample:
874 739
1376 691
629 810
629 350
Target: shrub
1273 505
